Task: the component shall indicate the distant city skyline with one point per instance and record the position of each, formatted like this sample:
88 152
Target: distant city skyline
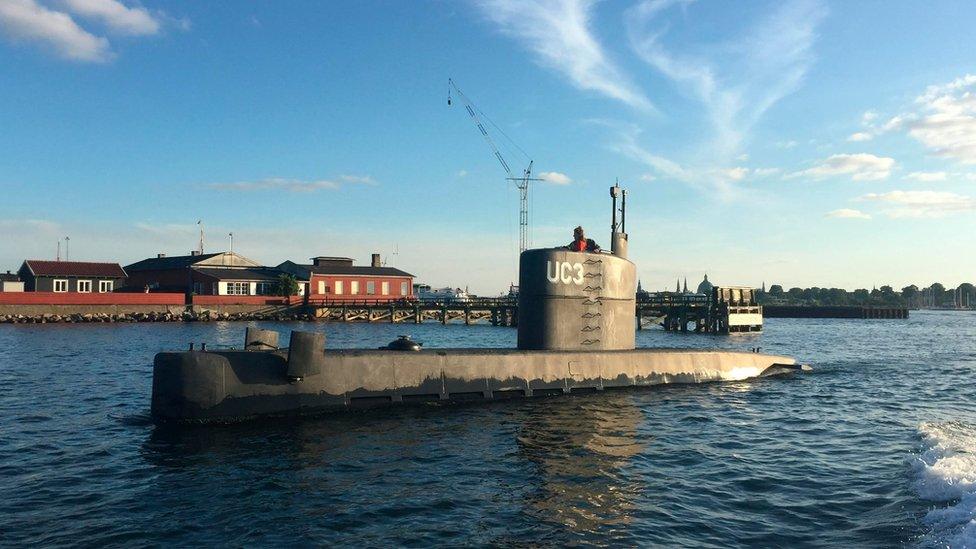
799 143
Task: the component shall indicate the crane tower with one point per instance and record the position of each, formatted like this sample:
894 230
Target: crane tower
522 181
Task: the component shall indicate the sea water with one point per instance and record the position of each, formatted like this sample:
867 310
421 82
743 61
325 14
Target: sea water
874 448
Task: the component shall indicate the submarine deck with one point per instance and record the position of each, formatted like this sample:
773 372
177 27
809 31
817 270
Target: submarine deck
230 385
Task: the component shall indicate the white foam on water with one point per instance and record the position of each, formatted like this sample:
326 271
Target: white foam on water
945 472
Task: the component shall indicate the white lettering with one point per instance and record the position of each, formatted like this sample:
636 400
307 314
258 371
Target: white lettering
567 273
579 273
552 274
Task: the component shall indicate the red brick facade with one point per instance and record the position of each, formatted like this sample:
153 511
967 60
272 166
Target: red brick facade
357 287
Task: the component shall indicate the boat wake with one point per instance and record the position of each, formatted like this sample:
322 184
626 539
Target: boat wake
945 473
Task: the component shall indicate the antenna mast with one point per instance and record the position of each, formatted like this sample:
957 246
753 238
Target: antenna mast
200 222
521 182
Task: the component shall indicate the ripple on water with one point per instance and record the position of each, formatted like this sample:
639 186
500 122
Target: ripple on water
817 459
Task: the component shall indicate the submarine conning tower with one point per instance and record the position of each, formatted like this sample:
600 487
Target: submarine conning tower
571 300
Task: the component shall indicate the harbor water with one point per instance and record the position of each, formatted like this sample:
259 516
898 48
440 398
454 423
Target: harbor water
874 448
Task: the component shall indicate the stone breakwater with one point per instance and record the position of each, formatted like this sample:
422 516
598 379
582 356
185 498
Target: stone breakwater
186 316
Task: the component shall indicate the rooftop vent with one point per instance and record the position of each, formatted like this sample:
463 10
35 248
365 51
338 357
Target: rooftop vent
375 261
160 256
326 261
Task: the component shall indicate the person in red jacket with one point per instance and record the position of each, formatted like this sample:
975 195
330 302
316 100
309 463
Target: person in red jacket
581 243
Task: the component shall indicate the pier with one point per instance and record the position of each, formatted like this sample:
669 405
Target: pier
676 312
497 312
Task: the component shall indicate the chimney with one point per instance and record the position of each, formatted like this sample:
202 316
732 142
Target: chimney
160 256
194 252
375 260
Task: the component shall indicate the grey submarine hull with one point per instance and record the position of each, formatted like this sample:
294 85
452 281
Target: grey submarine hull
576 333
225 386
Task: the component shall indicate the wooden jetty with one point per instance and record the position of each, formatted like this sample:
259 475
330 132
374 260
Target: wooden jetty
729 309
726 310
497 312
814 311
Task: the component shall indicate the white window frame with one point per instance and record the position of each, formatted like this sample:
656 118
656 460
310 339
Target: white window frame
322 289
404 288
338 287
106 286
86 283
60 282
354 287
385 287
370 287
238 288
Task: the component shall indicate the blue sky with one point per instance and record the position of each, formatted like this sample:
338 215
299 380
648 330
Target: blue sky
798 142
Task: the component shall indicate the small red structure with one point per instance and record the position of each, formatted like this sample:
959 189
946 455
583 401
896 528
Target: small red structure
337 279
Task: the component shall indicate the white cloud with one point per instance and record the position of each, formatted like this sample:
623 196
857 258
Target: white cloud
33 225
927 177
860 167
738 81
26 20
764 172
922 204
943 119
847 213
648 177
556 178
168 228
134 21
462 173
860 136
868 117
558 33
946 124
291 185
52 25
359 179
787 144
735 174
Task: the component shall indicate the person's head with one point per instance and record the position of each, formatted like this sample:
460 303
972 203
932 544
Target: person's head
578 233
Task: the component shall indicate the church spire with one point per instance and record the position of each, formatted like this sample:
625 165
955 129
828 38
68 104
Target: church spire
686 285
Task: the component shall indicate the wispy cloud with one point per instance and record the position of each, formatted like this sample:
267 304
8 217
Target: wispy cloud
859 167
736 82
558 33
57 30
860 136
28 21
293 185
358 179
556 178
133 21
168 229
942 119
927 177
922 204
847 213
33 225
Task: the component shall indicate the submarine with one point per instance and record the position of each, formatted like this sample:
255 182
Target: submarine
576 334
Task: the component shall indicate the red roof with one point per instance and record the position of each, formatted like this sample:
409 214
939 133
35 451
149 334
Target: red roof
75 268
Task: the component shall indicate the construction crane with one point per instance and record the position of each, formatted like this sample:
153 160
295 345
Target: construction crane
521 182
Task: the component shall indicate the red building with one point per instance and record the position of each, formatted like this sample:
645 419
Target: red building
337 279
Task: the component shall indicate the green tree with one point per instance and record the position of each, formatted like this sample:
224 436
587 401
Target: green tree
286 285
910 294
776 290
837 296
